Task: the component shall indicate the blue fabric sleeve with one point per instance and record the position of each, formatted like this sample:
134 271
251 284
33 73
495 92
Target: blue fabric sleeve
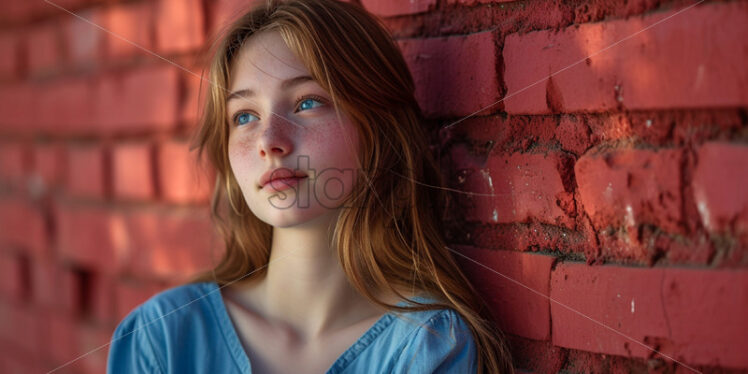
130 349
442 345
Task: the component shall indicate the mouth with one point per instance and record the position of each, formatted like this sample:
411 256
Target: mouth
280 178
280 184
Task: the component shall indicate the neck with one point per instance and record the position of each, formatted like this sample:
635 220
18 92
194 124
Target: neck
305 288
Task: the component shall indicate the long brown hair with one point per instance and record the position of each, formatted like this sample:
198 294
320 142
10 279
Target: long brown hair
389 236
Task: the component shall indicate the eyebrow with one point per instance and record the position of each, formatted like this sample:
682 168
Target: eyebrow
285 85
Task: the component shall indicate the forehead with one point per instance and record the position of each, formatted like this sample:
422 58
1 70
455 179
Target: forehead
265 59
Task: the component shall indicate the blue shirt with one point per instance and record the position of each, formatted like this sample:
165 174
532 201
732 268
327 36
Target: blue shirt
186 329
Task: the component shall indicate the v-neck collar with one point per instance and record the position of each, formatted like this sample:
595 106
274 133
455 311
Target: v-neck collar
240 355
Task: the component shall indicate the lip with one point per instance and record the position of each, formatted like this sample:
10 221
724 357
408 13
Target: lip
281 184
281 178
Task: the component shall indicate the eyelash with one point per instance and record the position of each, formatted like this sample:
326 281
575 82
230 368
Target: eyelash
298 101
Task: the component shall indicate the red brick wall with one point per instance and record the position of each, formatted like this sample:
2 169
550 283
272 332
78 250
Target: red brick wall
101 204
604 150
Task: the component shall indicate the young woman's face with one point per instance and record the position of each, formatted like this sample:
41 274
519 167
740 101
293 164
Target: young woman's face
282 124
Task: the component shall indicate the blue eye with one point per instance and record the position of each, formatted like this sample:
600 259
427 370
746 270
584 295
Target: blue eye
307 100
242 118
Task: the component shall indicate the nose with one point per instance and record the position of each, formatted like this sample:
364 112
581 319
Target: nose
276 138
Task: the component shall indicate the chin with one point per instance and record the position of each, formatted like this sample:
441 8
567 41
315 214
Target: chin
283 213
284 218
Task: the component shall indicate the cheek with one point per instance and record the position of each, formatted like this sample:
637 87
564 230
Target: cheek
351 146
339 140
239 152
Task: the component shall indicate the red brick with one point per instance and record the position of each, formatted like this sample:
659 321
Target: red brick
690 60
102 293
22 225
21 363
473 2
706 310
628 187
694 316
44 9
525 187
46 283
142 100
44 48
454 76
13 163
50 163
171 245
93 237
65 106
86 171
84 40
11 271
17 105
9 64
181 177
130 30
225 11
16 10
74 4
515 287
70 291
626 301
719 186
20 326
179 25
75 293
191 101
528 187
130 294
58 328
93 343
388 8
133 171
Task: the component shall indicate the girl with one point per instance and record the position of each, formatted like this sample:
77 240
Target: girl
328 200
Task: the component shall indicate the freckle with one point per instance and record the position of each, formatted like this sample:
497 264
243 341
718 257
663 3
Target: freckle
242 147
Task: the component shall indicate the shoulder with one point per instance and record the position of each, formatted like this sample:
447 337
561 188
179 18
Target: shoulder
138 342
173 306
178 297
441 343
